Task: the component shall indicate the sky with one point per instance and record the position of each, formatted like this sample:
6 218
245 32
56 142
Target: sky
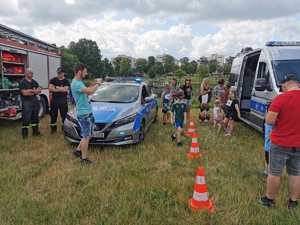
140 28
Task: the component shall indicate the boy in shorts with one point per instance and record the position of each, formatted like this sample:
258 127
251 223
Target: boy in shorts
179 110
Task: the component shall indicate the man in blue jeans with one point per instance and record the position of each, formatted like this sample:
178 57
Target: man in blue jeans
84 110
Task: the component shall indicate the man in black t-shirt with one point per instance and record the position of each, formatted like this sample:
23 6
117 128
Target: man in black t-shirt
30 90
188 91
59 89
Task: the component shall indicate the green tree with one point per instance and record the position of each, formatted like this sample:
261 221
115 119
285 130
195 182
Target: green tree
116 64
151 72
180 73
194 65
202 71
141 65
151 62
89 54
169 63
107 68
68 60
125 67
212 66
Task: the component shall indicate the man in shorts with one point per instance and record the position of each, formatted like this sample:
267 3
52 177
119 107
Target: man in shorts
84 110
285 143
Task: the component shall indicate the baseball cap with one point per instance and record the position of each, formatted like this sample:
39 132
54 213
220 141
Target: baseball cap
289 77
60 70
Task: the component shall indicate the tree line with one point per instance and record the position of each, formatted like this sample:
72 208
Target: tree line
87 52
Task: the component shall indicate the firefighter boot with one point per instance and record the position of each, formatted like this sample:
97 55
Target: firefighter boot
35 130
25 132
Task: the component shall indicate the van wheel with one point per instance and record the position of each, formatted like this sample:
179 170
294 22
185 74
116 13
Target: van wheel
43 108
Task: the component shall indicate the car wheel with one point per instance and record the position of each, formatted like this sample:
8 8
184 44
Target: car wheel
43 109
142 132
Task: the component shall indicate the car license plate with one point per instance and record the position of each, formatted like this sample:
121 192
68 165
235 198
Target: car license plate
98 134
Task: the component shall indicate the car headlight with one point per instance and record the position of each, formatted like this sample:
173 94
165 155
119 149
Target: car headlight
125 120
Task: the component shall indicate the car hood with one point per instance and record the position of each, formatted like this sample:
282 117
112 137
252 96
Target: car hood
110 112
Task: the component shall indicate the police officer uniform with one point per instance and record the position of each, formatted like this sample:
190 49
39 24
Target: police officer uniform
30 108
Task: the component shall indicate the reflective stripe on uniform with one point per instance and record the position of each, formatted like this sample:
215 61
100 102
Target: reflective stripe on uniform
200 196
26 127
34 125
200 180
53 125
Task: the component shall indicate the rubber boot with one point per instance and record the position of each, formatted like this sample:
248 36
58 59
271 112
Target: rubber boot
24 132
35 131
53 129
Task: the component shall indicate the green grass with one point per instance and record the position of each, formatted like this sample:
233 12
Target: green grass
42 183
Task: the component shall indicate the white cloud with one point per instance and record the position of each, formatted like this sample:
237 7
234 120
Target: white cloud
233 36
128 36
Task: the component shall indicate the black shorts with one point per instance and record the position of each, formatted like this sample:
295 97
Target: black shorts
231 116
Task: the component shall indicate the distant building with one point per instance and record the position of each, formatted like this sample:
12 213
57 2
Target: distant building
219 58
160 58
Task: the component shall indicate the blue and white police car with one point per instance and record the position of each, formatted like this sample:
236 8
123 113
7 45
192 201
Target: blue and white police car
123 111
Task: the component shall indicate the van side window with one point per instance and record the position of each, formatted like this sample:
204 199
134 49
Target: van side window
262 69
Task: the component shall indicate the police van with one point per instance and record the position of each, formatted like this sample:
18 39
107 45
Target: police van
258 75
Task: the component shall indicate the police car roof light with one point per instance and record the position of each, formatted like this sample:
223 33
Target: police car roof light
282 43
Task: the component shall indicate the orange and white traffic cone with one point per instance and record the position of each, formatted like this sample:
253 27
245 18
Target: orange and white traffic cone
195 147
200 200
191 129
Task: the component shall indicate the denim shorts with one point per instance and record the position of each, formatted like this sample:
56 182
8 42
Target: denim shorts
284 156
86 122
179 124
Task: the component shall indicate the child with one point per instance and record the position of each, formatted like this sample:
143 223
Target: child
204 99
232 113
166 104
217 115
179 117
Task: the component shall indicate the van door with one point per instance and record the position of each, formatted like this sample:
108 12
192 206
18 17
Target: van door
261 98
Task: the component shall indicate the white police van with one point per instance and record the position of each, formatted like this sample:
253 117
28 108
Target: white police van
258 75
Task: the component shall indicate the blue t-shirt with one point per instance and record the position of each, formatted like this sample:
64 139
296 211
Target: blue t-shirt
83 105
268 129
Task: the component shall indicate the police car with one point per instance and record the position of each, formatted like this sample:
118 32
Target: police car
257 77
123 111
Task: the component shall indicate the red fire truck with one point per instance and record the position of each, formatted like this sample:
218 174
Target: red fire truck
18 51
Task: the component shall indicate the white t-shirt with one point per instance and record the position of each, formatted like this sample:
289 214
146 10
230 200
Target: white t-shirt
216 112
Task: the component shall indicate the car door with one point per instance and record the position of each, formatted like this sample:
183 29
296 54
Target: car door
146 106
152 104
260 99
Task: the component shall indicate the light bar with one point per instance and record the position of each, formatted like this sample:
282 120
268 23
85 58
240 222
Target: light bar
283 43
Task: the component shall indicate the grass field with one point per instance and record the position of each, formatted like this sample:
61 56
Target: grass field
42 183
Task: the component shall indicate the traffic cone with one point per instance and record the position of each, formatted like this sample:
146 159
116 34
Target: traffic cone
200 200
195 148
191 129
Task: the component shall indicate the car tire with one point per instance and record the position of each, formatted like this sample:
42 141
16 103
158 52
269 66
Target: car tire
43 107
142 132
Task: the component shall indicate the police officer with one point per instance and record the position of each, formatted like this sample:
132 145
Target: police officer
59 89
30 90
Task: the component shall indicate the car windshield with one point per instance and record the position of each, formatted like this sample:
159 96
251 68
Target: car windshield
285 67
116 93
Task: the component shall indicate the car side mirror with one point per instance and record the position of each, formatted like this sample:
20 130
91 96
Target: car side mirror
149 99
262 84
